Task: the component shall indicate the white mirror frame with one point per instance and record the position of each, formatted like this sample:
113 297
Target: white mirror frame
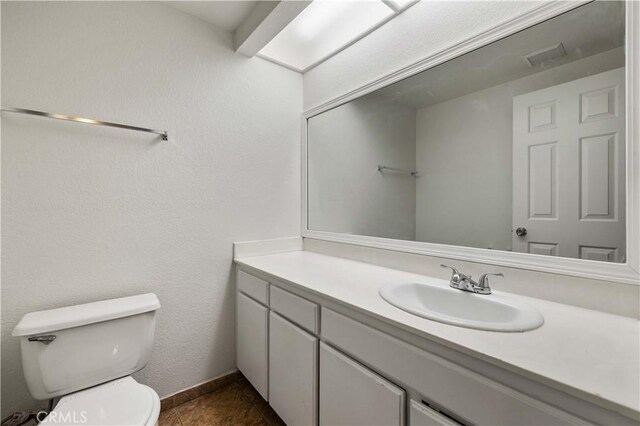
616 272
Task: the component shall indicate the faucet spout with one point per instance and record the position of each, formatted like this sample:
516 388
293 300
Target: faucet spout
465 282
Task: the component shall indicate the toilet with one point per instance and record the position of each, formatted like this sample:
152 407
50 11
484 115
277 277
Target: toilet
84 355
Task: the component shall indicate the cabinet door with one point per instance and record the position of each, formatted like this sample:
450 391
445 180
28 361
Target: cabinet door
421 415
251 342
351 394
293 372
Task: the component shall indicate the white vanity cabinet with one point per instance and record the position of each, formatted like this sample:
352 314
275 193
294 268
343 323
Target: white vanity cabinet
317 366
277 347
293 366
351 394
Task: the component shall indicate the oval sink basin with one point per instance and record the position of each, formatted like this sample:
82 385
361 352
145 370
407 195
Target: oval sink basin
493 312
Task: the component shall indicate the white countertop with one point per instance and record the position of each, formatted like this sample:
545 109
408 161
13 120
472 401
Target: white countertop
589 354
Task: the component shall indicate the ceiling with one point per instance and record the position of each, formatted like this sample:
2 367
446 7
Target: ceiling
306 38
594 28
224 14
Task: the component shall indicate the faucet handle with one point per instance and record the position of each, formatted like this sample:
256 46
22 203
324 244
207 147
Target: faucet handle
455 274
484 279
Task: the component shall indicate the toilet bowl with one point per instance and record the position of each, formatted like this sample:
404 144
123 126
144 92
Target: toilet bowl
85 354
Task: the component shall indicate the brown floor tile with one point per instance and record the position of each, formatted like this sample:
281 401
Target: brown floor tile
229 406
197 391
271 416
249 391
169 418
263 406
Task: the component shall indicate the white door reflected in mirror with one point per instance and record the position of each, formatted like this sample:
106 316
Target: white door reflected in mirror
569 171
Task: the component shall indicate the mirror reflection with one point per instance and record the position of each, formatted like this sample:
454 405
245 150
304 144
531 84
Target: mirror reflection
516 146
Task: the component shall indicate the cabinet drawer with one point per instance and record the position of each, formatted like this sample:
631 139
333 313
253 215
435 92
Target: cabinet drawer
295 308
421 415
351 394
254 287
468 395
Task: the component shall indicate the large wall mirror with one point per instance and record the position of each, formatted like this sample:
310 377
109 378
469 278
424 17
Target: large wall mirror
517 146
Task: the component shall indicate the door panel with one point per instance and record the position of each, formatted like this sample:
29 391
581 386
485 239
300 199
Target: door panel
543 181
602 254
546 249
598 177
598 104
542 117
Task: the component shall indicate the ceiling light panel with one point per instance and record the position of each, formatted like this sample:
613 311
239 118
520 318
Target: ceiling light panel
322 29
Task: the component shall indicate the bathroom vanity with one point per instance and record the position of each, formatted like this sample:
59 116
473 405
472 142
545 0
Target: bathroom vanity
318 342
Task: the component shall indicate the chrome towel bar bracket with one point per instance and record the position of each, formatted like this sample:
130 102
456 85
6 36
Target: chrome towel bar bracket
407 172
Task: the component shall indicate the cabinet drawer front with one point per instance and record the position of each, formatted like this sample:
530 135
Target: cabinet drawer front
421 415
295 308
251 342
351 394
254 287
464 393
293 372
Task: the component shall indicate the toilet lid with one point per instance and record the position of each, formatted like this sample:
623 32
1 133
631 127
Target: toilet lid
120 402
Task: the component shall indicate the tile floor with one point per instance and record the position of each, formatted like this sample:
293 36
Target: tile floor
235 404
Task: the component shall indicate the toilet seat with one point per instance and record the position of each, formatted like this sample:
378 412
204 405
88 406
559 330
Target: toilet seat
119 402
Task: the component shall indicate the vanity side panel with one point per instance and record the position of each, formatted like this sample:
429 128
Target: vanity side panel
252 322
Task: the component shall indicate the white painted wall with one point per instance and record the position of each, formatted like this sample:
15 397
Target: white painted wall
467 143
91 213
347 193
426 28
463 150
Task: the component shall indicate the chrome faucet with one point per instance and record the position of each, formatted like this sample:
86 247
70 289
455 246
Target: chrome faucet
466 283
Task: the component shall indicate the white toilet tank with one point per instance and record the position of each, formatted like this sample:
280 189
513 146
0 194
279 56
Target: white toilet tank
72 348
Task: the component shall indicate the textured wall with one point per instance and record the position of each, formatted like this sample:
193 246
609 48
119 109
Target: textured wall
90 213
347 193
426 28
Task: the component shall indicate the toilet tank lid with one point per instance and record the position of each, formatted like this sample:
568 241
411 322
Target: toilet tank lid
87 313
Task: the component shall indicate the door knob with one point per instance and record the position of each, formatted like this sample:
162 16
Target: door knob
521 232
